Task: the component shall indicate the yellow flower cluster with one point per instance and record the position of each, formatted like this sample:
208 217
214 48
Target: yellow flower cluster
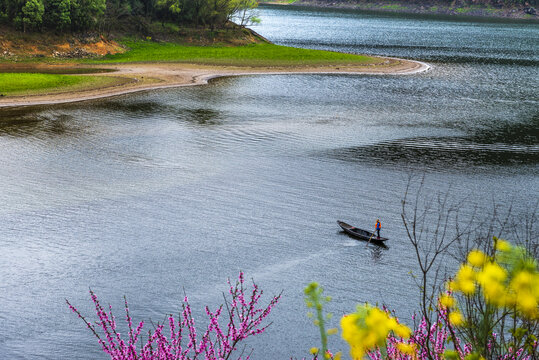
408 349
455 317
492 280
464 280
368 328
525 289
509 279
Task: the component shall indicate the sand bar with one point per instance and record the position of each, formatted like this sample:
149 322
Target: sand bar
134 77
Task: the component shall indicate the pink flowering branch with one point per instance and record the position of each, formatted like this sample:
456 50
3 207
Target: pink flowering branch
182 342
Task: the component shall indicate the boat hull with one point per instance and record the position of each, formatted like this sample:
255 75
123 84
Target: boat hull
360 234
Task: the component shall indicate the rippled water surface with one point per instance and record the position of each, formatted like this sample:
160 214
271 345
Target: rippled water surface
149 194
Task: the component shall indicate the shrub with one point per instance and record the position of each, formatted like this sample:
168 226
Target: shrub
243 315
489 311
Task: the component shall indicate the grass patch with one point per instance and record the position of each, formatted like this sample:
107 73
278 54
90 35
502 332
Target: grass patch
33 83
267 55
17 68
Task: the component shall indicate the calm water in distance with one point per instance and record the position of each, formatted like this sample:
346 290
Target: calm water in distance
149 194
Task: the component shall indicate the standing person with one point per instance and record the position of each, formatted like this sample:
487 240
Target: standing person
378 226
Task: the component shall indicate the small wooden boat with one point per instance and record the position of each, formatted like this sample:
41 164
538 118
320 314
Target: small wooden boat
360 233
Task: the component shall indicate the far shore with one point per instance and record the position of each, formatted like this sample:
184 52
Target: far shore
456 9
135 77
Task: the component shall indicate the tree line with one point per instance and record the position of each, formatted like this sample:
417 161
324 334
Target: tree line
494 3
90 15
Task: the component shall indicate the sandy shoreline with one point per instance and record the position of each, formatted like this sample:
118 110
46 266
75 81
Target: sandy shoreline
135 77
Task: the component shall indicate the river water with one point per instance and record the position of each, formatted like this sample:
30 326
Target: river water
153 194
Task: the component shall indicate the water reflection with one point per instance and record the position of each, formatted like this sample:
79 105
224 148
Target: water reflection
140 108
460 154
200 116
377 252
40 125
488 148
525 132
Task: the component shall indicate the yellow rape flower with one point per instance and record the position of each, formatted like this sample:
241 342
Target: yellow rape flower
379 324
524 281
477 258
527 305
502 245
455 318
391 322
492 272
535 285
354 335
451 286
369 328
525 286
496 294
402 331
448 301
408 349
491 279
465 279
349 325
313 350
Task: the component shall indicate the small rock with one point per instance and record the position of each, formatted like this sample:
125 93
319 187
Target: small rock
77 53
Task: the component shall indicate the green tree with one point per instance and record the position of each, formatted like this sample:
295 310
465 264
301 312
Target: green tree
58 15
32 14
193 11
11 9
244 12
115 10
172 6
149 7
3 12
217 12
87 14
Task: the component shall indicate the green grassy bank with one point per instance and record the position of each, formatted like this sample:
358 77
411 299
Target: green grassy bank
32 83
254 55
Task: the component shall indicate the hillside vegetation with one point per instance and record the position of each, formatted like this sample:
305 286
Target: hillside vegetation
103 15
42 46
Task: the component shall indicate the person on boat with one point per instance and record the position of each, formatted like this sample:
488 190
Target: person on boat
378 226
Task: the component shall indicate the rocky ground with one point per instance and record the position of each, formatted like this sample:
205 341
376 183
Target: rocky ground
15 45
